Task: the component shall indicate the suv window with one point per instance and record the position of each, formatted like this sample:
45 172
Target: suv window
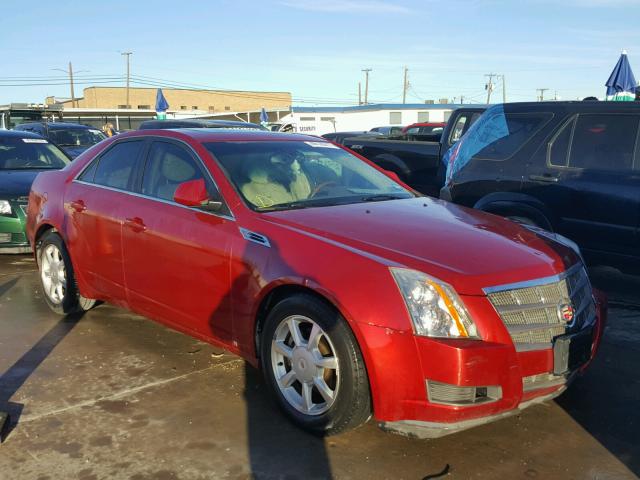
168 166
116 167
559 148
463 123
604 142
507 133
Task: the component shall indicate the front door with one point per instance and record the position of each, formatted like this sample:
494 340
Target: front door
177 258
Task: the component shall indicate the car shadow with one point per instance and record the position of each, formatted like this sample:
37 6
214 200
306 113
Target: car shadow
16 375
277 448
604 401
8 285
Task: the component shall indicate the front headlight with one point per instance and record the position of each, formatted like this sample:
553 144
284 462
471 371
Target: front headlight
434 306
5 207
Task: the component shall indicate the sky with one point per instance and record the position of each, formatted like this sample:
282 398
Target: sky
316 49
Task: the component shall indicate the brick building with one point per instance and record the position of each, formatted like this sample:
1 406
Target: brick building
186 100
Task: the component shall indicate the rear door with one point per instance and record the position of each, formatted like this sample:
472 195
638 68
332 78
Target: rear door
593 181
176 258
95 203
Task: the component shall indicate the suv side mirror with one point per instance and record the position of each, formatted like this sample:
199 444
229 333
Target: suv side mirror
194 194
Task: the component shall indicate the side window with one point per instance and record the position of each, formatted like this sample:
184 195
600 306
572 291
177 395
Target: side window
604 142
503 135
458 128
559 148
168 165
116 167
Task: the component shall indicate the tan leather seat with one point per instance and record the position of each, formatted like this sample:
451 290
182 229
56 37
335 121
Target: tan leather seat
175 171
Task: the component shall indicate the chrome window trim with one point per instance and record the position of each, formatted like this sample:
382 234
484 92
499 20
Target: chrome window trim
535 282
152 138
160 200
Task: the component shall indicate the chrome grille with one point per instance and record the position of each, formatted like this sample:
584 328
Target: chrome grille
531 310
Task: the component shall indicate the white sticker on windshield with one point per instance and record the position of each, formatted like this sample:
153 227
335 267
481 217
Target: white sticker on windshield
321 145
34 140
97 132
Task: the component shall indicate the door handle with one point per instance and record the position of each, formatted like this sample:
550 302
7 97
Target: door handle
544 178
136 224
78 205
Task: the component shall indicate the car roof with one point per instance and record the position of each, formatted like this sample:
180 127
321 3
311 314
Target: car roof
204 135
18 134
195 123
572 106
57 125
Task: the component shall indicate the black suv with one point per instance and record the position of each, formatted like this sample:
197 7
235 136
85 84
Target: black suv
73 138
569 167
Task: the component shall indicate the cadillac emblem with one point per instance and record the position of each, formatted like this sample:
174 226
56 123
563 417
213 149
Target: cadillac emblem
566 312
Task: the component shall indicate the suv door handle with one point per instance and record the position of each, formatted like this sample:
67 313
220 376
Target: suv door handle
78 205
543 178
136 224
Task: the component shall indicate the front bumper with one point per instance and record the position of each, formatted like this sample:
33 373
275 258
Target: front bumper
402 404
13 238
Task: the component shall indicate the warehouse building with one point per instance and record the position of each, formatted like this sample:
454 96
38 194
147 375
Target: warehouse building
190 101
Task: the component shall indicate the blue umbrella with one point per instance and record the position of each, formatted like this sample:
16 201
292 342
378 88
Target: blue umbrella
264 118
622 85
161 103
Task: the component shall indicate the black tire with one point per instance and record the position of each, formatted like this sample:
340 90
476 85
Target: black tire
352 404
72 301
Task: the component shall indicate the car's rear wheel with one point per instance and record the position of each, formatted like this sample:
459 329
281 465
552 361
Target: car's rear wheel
314 366
56 277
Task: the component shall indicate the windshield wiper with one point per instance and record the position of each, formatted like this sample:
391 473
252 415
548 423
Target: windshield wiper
284 206
381 197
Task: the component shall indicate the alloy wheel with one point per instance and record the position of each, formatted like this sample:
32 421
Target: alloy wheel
53 274
305 365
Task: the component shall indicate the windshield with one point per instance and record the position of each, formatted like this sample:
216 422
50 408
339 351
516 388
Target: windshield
295 174
30 153
75 137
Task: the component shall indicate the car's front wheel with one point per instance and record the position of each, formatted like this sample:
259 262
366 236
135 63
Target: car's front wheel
56 277
314 366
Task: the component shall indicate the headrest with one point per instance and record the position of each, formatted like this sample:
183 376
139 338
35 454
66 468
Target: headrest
175 169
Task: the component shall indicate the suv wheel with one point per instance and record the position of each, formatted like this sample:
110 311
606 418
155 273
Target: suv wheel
314 367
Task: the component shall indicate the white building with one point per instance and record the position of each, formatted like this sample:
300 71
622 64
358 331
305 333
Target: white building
321 120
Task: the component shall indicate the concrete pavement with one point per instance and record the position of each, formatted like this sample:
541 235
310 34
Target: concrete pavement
113 395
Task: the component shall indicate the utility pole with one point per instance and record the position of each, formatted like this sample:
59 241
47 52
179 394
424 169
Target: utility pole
70 73
541 90
489 86
359 93
366 85
127 54
504 89
405 85
461 99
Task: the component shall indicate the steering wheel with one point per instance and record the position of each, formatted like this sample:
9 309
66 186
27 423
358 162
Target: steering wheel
321 186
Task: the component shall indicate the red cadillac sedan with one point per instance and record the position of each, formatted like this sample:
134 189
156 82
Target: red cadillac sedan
356 296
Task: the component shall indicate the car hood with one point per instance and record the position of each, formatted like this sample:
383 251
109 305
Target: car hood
16 183
466 248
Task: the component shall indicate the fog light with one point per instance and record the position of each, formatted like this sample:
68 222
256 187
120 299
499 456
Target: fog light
5 237
448 394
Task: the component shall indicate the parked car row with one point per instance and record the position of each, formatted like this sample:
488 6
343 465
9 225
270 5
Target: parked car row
356 295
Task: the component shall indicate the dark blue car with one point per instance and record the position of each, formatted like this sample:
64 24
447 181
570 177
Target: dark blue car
73 138
22 156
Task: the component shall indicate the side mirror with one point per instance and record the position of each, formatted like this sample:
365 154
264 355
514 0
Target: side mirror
393 175
194 194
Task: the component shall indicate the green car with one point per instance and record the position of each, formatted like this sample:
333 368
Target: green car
22 156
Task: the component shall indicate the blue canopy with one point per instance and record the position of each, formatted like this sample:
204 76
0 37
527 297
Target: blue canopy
161 103
264 118
621 84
